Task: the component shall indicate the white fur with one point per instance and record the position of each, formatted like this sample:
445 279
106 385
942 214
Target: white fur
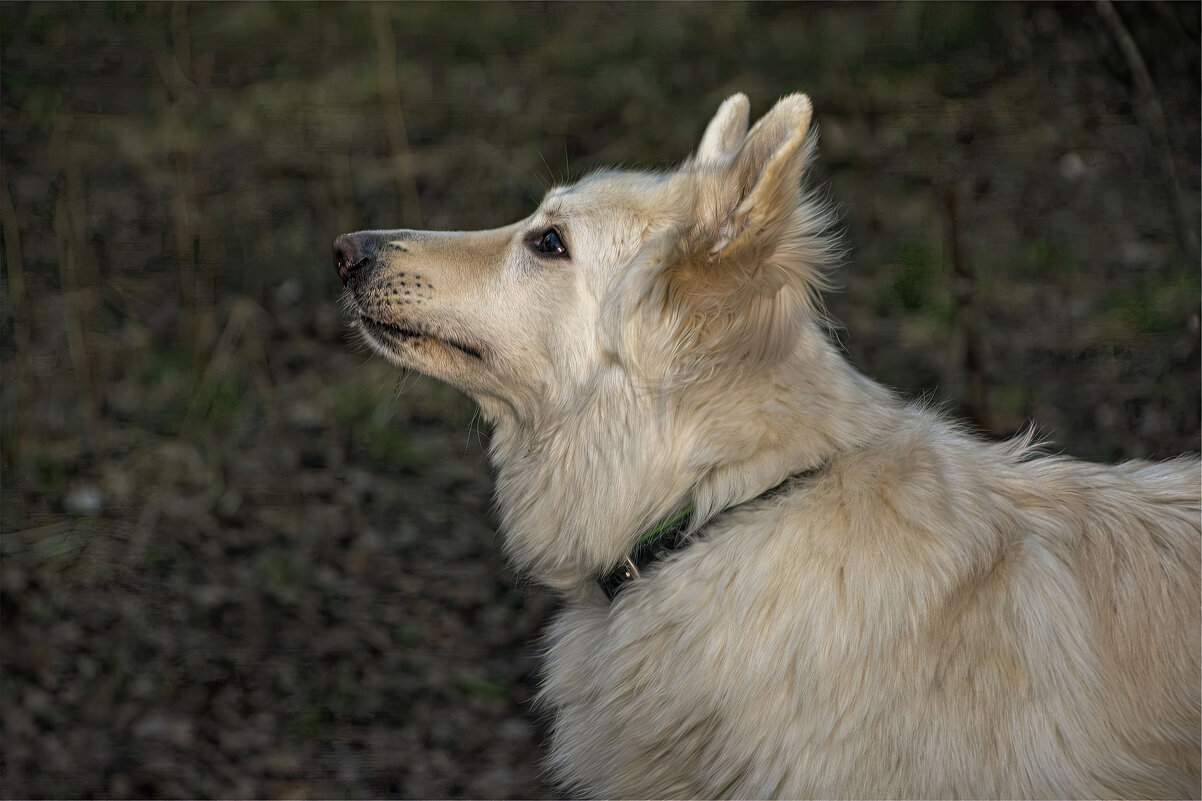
927 615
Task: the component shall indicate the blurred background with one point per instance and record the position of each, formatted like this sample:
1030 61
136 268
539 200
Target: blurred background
241 557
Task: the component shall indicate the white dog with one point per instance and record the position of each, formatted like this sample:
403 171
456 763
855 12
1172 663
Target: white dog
780 579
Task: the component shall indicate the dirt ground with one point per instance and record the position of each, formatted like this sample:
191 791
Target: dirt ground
240 557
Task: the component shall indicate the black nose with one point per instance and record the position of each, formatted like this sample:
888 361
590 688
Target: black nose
351 255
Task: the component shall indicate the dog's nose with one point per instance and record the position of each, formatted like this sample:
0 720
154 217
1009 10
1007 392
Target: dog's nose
350 255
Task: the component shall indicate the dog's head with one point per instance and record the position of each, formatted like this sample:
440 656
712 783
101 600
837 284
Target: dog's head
631 340
662 276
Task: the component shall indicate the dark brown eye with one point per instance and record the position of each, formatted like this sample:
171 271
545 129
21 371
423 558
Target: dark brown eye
551 244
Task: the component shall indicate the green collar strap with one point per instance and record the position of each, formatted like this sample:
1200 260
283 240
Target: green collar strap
654 544
668 536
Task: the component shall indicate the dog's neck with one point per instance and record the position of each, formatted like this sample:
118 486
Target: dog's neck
576 490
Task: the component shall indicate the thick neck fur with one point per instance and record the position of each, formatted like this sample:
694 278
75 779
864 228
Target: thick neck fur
579 485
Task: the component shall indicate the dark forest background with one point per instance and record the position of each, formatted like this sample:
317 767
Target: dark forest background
241 557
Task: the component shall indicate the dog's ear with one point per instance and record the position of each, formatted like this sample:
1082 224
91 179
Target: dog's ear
726 130
739 280
763 184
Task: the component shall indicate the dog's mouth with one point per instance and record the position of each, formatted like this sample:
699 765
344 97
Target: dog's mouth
397 335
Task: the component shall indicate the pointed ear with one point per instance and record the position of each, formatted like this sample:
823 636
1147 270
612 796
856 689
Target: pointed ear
737 284
726 130
766 179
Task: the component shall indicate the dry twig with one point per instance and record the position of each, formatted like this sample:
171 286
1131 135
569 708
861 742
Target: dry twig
1150 113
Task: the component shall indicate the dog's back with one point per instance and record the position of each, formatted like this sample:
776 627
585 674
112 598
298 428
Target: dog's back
926 617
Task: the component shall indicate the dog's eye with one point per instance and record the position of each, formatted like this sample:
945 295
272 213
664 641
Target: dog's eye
550 243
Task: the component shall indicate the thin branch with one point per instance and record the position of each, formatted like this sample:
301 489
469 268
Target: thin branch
390 96
1150 113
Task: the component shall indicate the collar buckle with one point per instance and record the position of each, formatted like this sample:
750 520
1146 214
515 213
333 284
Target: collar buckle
612 581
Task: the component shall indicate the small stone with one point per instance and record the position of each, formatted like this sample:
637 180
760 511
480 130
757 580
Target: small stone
1072 167
84 499
229 505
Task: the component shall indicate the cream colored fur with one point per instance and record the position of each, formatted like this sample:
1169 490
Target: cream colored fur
927 615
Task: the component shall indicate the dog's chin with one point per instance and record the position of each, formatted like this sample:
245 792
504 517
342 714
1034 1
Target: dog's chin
414 347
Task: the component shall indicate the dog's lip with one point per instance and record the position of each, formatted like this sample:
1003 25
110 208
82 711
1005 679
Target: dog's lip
403 333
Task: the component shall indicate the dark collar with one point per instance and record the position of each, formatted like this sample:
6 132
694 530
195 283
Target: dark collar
669 536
